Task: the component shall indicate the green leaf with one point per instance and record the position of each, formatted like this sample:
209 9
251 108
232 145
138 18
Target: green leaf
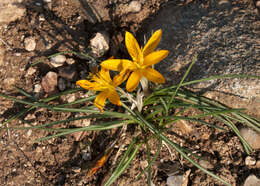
128 157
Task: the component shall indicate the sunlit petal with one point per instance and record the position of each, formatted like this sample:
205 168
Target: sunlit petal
120 78
85 84
155 57
132 46
114 98
153 75
117 64
152 43
133 81
104 73
100 100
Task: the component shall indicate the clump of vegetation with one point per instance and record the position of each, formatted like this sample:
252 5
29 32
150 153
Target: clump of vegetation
152 111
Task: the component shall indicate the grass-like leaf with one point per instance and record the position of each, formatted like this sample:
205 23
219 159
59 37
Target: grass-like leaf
96 127
127 158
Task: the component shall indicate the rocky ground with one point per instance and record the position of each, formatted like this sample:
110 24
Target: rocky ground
225 34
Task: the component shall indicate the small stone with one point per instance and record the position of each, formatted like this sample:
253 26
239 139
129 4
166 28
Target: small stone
49 82
37 88
47 1
134 6
67 72
80 123
224 3
29 44
257 164
100 44
11 10
144 164
86 156
175 180
71 98
41 17
250 161
9 82
185 126
38 4
170 167
206 164
252 137
30 117
257 4
61 84
70 61
48 46
2 51
76 169
252 180
29 133
58 60
30 72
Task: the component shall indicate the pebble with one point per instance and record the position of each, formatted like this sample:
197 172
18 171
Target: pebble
41 17
37 88
58 60
29 133
250 161
175 180
30 71
67 72
30 117
134 6
38 4
30 43
252 180
100 44
206 164
48 46
71 98
70 61
86 156
49 82
252 137
61 84
9 82
11 10
258 4
143 164
76 169
224 3
2 51
257 164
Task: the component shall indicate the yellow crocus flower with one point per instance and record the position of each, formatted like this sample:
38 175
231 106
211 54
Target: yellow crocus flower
101 81
142 61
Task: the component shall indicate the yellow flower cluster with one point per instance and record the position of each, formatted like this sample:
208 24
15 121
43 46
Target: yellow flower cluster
140 66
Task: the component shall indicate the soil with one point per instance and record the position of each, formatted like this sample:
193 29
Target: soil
69 25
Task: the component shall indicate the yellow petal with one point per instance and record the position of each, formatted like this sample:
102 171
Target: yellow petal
114 98
155 57
104 73
85 84
132 46
153 75
100 100
133 81
152 43
117 64
120 78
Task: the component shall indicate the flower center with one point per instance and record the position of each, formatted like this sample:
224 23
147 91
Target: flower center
105 84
